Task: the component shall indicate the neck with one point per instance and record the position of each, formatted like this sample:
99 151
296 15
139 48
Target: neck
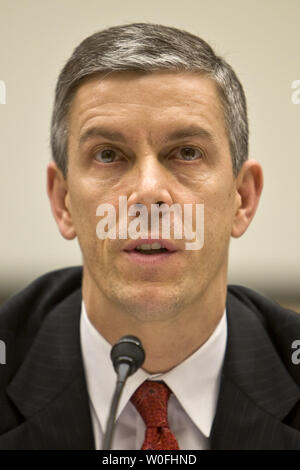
167 343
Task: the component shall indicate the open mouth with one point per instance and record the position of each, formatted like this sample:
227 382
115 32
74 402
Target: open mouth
151 251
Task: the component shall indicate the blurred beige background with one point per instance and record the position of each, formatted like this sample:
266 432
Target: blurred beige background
260 39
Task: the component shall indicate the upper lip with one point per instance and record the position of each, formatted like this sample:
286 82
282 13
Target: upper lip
143 241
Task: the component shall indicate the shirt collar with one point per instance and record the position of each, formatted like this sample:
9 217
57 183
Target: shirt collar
195 382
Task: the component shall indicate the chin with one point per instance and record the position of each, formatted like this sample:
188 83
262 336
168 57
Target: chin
151 306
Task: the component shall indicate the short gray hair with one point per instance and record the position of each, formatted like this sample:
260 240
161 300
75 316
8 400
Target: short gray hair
147 47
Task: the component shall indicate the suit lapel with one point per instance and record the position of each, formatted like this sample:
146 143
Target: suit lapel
49 389
256 392
256 395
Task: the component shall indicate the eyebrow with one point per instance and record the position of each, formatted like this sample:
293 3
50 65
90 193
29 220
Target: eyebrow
189 131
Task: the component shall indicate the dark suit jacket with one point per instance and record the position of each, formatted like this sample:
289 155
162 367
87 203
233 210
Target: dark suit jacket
43 395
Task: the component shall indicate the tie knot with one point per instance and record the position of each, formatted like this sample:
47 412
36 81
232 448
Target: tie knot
151 401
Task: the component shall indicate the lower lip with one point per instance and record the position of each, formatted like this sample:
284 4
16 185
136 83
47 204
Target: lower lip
149 260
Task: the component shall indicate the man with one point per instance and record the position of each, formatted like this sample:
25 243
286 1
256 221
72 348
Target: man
149 113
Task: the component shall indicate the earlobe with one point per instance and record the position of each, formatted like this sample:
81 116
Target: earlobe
57 190
249 184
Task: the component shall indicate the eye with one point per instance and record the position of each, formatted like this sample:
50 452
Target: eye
106 155
189 153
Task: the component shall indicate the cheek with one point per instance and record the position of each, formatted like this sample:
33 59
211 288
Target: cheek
83 206
219 215
84 211
85 198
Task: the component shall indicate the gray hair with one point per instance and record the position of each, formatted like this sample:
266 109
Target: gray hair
146 47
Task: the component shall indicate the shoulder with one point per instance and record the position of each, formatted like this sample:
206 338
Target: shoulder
36 300
279 326
22 315
267 310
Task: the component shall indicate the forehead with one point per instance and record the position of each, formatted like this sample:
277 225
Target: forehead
159 99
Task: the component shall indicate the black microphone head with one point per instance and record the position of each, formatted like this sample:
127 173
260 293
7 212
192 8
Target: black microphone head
128 350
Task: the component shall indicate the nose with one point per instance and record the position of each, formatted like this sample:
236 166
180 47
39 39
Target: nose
151 183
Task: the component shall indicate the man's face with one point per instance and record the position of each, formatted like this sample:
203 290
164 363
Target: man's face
146 165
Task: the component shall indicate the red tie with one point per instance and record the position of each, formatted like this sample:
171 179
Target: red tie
151 401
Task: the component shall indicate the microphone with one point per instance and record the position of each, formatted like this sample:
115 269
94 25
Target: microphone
127 356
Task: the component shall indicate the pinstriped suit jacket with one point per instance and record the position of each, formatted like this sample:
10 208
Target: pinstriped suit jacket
43 395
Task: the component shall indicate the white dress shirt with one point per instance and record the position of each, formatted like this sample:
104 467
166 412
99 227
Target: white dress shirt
195 385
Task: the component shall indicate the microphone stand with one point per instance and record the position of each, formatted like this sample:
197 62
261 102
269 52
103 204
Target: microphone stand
123 373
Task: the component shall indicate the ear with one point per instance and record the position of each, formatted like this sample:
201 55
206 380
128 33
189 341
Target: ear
249 185
57 189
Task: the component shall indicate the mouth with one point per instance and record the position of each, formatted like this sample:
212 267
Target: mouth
149 251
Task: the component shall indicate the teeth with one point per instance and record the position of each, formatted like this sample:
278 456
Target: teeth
153 246
156 246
